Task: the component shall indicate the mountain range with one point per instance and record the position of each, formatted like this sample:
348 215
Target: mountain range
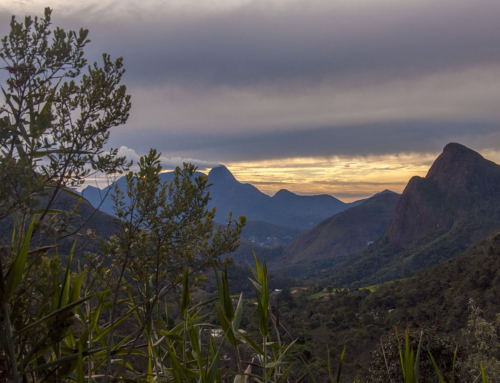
383 238
228 195
436 218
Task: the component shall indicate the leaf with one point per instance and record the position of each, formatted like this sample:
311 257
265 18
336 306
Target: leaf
54 313
263 324
75 291
417 359
79 369
194 337
107 329
211 374
52 211
97 312
75 194
171 335
220 287
330 376
238 314
252 344
454 364
63 360
150 364
483 374
276 364
409 372
17 269
185 291
257 285
228 305
438 371
338 379
226 327
17 222
288 348
309 371
63 298
40 250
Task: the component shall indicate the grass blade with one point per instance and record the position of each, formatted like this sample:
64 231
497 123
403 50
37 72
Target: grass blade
16 271
338 378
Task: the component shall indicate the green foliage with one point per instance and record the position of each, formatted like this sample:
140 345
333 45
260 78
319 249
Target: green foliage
425 352
483 342
166 238
56 116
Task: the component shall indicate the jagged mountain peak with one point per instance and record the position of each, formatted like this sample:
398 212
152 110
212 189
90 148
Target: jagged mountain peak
460 170
457 182
436 217
455 157
220 174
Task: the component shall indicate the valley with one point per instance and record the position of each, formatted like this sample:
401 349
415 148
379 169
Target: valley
347 273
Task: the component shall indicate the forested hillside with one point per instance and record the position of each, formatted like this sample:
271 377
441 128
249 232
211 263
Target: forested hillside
338 238
436 218
437 299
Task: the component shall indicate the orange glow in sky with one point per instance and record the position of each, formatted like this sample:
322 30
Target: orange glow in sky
348 179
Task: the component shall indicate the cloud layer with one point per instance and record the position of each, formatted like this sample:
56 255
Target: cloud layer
168 163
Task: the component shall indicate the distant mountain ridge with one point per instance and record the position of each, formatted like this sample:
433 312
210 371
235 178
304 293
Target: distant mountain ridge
229 195
436 218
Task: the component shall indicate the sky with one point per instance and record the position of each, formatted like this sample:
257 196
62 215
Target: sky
346 98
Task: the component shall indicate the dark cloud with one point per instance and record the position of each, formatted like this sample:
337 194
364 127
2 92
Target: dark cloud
307 79
363 140
309 42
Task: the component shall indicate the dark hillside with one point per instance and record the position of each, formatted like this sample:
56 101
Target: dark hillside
436 218
460 183
439 295
339 237
435 299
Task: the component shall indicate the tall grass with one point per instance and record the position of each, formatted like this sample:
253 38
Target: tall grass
69 336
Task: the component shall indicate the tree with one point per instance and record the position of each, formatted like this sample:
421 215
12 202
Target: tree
55 323
166 234
55 117
483 342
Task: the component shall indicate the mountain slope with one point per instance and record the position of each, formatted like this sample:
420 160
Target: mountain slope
229 195
439 295
437 217
338 237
